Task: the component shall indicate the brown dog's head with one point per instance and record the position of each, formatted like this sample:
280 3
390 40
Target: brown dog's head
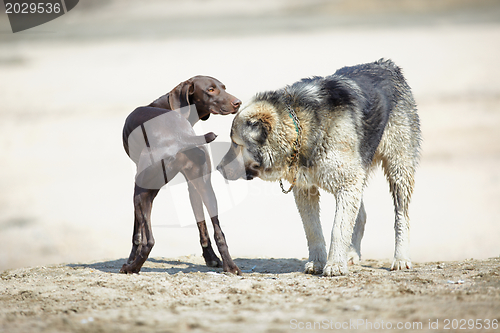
207 94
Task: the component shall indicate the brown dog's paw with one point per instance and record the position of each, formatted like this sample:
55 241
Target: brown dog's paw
126 269
209 137
211 259
232 269
213 262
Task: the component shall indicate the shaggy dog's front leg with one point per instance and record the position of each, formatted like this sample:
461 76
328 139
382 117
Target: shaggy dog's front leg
347 208
307 201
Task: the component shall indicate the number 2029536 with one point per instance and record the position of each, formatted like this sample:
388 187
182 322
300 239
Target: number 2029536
462 324
32 8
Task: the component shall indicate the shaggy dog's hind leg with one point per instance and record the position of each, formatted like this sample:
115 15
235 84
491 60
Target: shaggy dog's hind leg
401 182
354 253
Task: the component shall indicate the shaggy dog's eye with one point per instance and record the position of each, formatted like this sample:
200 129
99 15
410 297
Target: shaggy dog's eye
252 124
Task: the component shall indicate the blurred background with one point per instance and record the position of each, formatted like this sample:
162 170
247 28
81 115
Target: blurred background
67 86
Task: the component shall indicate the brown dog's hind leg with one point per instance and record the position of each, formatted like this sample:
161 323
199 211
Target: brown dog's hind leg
136 241
143 203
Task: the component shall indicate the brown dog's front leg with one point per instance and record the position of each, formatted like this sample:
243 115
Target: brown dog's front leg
227 262
196 203
209 255
143 240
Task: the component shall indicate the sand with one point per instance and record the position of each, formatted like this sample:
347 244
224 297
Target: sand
182 295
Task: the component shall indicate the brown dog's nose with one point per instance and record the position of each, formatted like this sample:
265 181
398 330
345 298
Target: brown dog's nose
236 104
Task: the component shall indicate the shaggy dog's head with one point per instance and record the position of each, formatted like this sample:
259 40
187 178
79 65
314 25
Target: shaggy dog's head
259 144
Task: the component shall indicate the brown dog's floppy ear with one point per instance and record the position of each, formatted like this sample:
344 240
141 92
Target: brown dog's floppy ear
179 96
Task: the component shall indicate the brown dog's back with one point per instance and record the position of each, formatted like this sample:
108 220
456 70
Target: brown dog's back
138 117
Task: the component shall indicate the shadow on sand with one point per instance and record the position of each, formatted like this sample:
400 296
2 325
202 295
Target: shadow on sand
185 265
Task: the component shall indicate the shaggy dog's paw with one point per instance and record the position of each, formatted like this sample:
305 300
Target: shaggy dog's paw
314 267
400 264
335 269
352 257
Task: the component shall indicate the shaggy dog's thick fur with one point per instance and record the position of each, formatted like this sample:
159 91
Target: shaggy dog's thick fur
345 125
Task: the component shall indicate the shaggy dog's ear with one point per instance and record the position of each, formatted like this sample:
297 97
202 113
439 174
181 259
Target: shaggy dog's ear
260 127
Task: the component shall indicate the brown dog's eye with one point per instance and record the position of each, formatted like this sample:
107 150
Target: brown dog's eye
211 89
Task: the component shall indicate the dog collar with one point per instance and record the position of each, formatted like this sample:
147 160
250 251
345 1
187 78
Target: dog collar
296 146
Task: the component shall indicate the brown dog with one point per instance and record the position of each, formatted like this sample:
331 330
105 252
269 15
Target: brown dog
172 147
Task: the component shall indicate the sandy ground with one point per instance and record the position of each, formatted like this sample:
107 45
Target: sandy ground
182 295
67 86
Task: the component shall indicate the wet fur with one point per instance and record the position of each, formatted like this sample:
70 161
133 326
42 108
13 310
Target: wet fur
351 121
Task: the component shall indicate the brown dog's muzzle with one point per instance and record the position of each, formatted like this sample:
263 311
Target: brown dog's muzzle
235 103
231 106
